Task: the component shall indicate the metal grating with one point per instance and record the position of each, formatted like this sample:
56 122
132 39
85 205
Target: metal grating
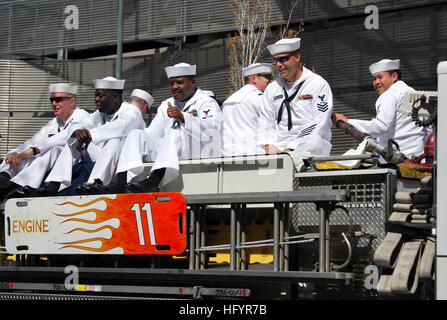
368 206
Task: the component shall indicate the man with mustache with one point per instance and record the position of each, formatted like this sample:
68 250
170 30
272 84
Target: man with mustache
241 112
187 126
98 138
389 123
29 163
296 108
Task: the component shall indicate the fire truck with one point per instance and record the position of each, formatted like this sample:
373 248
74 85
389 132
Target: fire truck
249 227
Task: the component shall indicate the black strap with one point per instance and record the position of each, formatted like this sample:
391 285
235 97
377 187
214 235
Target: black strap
286 102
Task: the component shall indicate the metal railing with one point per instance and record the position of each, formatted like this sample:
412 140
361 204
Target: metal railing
281 201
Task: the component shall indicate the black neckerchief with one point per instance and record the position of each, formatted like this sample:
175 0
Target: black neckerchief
286 102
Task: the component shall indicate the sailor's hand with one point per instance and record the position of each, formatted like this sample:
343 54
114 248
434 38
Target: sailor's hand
84 138
12 158
271 149
338 116
22 156
175 113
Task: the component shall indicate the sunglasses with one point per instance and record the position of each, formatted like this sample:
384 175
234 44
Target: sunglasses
268 76
58 99
282 59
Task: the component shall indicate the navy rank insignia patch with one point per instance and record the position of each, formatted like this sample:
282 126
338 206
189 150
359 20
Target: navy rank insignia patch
322 105
206 116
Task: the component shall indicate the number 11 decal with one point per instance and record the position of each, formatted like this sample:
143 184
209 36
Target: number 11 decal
150 223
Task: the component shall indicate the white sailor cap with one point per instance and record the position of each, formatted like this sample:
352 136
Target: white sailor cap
257 68
384 65
138 93
109 83
180 70
62 87
284 45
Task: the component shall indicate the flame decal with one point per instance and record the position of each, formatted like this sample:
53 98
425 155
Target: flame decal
108 224
73 245
91 236
88 231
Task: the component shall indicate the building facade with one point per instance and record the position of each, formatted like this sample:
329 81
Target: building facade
75 41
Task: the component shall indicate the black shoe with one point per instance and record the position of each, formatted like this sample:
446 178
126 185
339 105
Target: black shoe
29 192
39 192
141 187
6 186
88 188
18 193
4 182
99 188
82 189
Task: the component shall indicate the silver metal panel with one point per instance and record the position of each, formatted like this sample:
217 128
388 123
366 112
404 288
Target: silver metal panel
368 207
258 174
441 187
441 278
441 177
231 175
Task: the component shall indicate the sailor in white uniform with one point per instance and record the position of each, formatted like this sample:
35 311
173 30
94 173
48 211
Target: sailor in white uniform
296 108
109 159
241 112
29 163
97 138
187 126
389 123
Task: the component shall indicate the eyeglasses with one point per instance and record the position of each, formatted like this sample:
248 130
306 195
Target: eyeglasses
268 76
58 99
282 59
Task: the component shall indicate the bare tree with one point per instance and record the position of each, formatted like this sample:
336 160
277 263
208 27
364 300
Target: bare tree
252 21
284 30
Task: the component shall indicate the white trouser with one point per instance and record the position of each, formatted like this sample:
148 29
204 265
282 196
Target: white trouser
33 169
100 154
141 147
314 144
105 165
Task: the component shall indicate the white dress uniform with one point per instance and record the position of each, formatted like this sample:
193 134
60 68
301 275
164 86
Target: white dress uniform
50 140
240 122
108 133
241 113
165 141
307 127
391 124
